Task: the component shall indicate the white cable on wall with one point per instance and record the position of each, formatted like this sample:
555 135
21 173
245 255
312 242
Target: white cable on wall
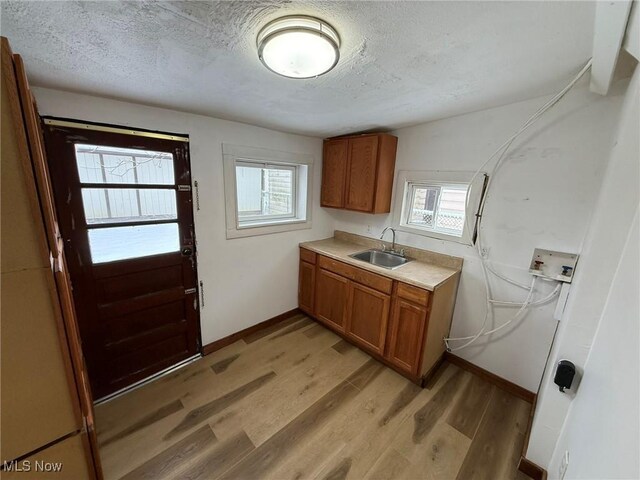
486 266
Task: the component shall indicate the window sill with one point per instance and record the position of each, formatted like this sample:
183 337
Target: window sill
254 229
437 235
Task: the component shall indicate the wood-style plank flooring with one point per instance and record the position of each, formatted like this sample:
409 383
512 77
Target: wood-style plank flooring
296 402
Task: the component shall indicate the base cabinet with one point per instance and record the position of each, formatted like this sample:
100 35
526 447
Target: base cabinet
307 287
406 330
331 299
367 317
397 323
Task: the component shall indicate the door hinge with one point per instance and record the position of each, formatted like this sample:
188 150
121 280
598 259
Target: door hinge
55 264
189 291
184 188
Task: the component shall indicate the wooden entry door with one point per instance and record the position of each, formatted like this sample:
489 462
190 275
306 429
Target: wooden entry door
125 209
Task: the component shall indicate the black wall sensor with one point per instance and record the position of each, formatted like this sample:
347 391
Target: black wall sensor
565 372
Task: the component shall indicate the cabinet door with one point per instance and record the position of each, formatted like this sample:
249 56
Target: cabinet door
406 332
331 299
334 171
361 173
306 287
367 317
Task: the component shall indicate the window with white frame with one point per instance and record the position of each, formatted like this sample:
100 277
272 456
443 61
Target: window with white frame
439 204
266 191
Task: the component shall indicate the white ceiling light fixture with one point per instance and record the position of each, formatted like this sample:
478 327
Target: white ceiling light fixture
299 46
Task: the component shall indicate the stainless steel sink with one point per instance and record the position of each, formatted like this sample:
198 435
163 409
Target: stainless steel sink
381 259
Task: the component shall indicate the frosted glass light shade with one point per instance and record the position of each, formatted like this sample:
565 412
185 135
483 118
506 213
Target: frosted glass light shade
299 47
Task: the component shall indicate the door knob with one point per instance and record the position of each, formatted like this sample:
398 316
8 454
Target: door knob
187 251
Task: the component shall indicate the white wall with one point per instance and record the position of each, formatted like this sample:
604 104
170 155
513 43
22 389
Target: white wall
617 205
247 280
601 432
543 197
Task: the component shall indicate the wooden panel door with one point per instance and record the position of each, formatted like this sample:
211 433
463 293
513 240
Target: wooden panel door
406 331
331 299
125 210
334 172
306 287
361 173
367 317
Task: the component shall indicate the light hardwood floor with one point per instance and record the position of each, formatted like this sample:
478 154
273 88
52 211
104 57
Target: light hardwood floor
294 402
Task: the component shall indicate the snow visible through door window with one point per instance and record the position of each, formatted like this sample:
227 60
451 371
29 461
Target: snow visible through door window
122 243
119 202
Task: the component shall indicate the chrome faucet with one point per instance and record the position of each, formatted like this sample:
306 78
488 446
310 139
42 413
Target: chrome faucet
393 240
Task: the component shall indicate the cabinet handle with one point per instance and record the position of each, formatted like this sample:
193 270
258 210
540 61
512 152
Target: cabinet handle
201 294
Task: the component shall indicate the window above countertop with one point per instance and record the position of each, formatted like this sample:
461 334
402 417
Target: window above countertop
439 204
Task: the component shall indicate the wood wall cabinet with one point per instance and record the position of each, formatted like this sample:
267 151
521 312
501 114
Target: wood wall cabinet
397 323
47 409
357 172
334 172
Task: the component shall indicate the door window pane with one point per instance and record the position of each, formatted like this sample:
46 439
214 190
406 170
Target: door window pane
121 243
99 164
119 205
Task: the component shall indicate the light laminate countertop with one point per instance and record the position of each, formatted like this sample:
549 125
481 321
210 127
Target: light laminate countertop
419 273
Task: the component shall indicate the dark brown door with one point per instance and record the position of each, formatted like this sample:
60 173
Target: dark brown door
125 210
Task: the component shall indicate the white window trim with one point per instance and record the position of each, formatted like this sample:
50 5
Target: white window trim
234 154
438 178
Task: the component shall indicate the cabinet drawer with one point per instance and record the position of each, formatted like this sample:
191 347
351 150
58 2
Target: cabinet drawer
307 255
356 274
413 294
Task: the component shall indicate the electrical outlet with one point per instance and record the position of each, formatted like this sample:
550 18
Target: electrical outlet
368 228
564 464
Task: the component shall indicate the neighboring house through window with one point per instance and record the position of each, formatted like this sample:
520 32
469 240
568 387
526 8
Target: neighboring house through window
266 191
437 203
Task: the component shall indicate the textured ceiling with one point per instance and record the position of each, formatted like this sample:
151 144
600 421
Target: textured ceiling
401 63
